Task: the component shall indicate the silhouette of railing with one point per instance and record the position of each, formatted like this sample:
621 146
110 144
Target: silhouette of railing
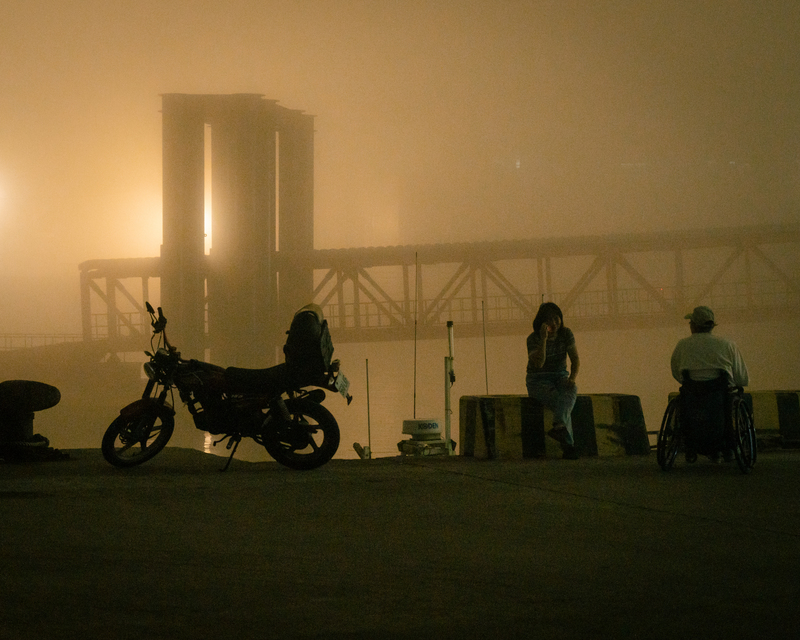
612 282
13 341
600 283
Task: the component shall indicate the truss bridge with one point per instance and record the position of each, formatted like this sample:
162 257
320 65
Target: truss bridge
257 158
494 288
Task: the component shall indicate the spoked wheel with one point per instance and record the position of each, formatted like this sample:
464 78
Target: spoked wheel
135 438
744 435
669 437
307 441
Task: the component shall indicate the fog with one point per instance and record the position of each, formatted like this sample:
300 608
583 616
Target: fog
435 122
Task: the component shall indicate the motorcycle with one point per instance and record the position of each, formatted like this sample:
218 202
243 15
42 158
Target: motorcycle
272 406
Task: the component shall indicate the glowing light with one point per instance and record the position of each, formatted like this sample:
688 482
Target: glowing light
207 190
207 224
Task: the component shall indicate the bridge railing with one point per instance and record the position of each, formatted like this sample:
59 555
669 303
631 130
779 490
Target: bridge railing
493 309
13 341
128 324
586 309
381 293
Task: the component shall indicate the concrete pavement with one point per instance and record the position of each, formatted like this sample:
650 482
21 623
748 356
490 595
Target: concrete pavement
391 548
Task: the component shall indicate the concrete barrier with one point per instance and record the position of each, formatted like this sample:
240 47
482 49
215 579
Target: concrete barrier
776 417
515 426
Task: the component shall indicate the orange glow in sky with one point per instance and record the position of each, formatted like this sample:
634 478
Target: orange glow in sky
435 121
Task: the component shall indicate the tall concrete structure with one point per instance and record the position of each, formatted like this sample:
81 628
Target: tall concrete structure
262 180
238 300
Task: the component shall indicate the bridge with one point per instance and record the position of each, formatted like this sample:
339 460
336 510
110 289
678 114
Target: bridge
257 157
600 283
494 288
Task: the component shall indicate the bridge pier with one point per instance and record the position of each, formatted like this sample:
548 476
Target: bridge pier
262 200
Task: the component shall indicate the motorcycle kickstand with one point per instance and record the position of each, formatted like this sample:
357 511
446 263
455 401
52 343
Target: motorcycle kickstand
235 440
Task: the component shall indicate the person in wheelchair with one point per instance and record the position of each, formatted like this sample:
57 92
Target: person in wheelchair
710 369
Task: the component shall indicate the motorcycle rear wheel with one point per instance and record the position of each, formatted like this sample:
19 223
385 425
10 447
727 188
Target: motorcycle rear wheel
307 441
134 439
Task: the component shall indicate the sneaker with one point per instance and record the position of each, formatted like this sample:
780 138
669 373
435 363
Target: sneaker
570 453
560 435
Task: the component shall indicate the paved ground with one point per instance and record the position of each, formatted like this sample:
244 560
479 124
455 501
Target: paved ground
428 548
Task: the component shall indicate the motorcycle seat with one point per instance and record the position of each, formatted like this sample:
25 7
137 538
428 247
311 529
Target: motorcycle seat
270 381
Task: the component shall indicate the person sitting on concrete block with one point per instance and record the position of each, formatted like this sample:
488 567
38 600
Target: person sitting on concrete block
547 379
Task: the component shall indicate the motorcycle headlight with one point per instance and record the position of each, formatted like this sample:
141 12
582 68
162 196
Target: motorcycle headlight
150 371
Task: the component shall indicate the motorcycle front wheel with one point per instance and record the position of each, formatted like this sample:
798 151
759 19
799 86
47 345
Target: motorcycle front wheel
305 442
135 438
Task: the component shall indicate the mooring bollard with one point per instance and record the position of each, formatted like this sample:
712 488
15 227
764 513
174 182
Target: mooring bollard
19 400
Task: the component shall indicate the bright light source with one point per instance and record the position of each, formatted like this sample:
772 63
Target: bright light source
207 190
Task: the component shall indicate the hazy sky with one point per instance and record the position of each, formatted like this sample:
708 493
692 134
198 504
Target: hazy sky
435 121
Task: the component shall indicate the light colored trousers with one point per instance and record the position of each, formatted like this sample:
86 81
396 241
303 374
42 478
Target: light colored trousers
555 393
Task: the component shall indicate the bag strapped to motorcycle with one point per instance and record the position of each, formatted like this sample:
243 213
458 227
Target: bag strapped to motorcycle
309 347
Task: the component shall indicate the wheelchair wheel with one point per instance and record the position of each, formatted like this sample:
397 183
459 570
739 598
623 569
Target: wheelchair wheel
669 436
744 435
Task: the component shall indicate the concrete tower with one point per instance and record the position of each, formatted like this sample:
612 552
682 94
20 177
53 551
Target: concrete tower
262 175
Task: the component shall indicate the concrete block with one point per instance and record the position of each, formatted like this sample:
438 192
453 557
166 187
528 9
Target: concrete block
776 416
515 426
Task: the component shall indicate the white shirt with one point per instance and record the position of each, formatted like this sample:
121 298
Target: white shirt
703 354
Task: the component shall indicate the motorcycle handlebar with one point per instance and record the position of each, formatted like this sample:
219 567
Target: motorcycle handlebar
159 323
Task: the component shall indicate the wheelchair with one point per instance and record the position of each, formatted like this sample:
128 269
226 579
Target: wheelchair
707 418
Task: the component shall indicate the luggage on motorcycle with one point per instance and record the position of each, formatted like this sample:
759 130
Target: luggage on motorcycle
309 348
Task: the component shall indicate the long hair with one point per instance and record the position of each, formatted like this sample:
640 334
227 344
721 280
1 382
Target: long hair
548 310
